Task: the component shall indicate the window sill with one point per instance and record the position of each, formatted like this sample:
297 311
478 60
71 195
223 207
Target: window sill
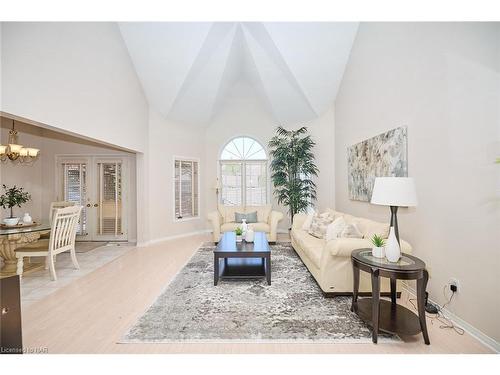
176 220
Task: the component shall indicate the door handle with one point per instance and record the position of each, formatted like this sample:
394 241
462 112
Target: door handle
88 205
96 205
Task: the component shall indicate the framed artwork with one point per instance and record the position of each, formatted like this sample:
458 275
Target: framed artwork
385 155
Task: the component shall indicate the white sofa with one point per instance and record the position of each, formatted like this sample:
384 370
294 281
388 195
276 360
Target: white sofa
223 220
330 262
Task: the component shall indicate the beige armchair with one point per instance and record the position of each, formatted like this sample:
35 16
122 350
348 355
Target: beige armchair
223 220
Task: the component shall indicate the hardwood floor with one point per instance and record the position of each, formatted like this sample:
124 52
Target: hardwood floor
91 314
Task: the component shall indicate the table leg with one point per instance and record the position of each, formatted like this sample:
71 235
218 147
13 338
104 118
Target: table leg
355 288
421 286
216 269
268 269
375 303
393 290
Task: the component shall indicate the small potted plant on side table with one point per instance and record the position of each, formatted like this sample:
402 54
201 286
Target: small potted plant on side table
12 197
378 250
239 234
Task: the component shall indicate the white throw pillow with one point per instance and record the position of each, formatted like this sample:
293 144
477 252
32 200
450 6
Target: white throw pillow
335 229
351 231
308 221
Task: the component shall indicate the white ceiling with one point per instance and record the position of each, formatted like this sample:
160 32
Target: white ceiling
186 69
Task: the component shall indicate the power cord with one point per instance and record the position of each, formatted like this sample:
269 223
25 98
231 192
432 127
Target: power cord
440 317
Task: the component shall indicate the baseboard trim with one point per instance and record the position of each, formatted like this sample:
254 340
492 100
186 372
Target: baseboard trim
470 329
174 237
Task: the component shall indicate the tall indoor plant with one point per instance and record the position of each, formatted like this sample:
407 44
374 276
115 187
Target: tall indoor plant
12 197
292 168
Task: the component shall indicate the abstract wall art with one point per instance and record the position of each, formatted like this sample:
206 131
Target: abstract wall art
384 155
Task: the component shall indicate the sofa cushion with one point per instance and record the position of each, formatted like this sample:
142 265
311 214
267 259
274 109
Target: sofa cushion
371 228
263 212
229 213
351 231
319 225
335 229
257 227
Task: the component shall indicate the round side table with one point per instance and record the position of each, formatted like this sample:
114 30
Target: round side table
383 315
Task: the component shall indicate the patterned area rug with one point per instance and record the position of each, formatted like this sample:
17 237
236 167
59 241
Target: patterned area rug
292 309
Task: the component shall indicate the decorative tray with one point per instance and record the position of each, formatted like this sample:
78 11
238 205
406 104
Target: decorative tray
21 225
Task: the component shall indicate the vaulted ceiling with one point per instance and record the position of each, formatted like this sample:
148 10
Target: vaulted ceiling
187 69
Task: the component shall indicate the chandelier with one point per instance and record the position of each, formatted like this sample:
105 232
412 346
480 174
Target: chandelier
15 151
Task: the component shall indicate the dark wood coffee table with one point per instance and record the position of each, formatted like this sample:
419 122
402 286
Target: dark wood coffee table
384 315
242 259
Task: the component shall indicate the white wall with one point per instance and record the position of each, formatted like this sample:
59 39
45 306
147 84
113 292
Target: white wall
77 77
166 140
442 81
243 113
39 178
28 177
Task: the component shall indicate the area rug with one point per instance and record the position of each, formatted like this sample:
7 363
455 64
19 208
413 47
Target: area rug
292 309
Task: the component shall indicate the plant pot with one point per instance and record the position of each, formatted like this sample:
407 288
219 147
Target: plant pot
239 238
378 252
11 221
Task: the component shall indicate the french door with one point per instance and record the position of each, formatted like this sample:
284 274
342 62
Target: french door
100 185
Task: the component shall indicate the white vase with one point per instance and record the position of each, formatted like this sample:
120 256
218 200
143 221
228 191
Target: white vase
250 235
239 238
378 252
27 219
392 249
244 226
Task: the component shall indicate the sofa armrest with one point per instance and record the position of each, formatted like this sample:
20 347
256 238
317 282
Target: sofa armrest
215 219
298 220
274 218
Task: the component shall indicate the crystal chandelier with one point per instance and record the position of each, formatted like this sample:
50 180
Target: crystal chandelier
15 151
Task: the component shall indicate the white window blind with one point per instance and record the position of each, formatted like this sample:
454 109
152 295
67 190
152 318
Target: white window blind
110 198
75 189
186 188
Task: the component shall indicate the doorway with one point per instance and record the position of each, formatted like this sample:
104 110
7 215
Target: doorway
100 184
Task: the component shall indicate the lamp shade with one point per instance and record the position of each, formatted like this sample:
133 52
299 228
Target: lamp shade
394 191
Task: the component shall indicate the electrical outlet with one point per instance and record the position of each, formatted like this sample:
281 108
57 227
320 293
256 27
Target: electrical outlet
454 281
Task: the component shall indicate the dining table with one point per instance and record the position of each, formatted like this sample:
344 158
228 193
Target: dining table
18 236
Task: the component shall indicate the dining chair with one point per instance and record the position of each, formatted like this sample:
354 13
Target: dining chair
62 238
54 206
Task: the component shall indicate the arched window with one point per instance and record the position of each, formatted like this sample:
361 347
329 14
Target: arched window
243 173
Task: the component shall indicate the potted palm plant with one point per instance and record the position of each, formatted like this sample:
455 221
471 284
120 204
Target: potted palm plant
12 197
292 169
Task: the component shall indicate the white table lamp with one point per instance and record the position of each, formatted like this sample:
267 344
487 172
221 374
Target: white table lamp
394 192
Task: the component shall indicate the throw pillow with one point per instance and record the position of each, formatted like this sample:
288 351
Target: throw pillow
238 217
335 229
251 217
318 225
351 231
308 221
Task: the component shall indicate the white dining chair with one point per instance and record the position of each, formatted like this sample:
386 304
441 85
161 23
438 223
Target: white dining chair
54 206
62 238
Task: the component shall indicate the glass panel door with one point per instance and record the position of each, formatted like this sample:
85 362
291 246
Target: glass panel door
74 189
100 186
109 206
